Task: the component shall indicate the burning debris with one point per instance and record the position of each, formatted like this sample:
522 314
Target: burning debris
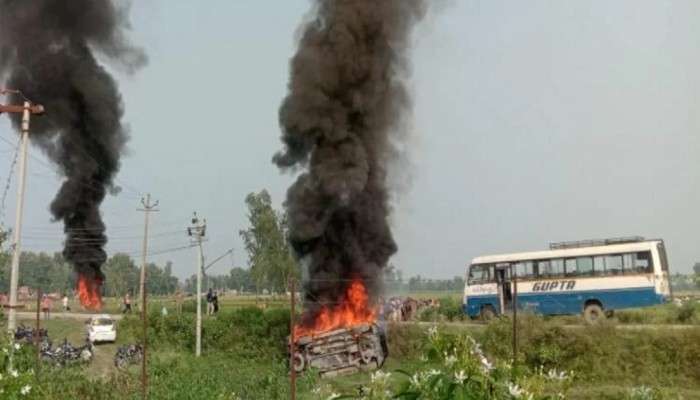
343 339
345 103
47 48
341 351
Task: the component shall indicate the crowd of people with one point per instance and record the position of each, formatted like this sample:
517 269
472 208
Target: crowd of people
397 309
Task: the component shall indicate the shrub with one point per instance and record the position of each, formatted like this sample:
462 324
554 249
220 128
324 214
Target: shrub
600 353
249 332
459 369
686 312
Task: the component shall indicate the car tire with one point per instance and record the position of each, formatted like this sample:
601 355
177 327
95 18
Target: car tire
593 313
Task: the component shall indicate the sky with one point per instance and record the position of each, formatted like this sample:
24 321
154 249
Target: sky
533 122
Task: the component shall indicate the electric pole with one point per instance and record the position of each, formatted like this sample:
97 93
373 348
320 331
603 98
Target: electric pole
147 209
27 110
197 232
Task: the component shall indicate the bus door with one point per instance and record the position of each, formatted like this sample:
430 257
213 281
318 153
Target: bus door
505 294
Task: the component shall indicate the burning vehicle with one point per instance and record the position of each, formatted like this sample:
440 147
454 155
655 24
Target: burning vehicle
341 351
342 125
344 339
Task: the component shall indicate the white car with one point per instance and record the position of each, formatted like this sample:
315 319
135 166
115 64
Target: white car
101 328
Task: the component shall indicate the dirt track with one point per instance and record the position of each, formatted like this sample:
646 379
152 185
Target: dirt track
62 315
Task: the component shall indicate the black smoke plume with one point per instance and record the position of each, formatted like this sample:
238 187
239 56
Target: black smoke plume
48 52
346 99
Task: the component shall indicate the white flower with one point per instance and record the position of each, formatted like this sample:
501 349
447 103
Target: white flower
4 350
515 390
415 380
553 374
333 396
380 377
460 377
17 346
14 373
432 332
641 392
486 364
433 372
25 390
450 360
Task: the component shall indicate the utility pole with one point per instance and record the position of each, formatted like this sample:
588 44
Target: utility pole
197 232
147 209
292 341
514 279
27 110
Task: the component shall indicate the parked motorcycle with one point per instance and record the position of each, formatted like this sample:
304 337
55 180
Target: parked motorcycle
127 355
67 353
23 333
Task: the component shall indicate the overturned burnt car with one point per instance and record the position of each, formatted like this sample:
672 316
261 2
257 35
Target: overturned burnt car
341 351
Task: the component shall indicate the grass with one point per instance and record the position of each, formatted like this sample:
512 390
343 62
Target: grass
244 353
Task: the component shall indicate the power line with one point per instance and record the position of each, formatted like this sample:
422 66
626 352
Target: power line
52 169
6 189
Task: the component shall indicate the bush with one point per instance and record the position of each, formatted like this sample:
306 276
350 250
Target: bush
249 332
601 353
686 312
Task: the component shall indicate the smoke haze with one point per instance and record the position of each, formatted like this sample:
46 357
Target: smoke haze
339 123
47 50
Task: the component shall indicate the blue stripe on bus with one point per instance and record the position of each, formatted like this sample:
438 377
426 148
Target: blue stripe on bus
569 302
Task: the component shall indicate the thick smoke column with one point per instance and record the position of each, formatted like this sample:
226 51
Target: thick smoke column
47 51
346 97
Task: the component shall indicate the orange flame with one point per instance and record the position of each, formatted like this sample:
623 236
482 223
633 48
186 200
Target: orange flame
89 292
353 310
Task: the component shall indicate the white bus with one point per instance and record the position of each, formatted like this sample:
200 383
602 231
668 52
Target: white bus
593 277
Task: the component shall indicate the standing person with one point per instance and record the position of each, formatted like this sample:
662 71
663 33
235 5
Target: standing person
210 302
66 308
215 302
127 304
46 306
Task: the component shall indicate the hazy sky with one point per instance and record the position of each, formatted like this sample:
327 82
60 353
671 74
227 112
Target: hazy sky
534 121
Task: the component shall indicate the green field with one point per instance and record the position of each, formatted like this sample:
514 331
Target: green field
244 353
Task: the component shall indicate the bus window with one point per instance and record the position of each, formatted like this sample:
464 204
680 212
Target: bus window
643 263
599 265
584 265
628 263
570 266
478 274
557 267
613 264
543 267
523 269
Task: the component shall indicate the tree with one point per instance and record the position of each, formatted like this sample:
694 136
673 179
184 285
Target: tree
240 279
271 261
121 276
696 269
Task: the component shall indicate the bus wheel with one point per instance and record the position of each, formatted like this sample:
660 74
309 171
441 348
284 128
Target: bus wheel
487 313
593 313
